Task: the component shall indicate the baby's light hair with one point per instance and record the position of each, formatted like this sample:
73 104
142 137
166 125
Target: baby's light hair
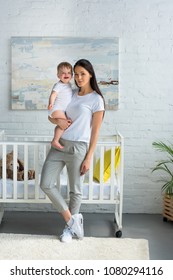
66 65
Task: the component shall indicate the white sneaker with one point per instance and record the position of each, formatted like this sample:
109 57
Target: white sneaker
67 235
77 226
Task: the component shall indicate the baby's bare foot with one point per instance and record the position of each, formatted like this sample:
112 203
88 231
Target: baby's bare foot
56 145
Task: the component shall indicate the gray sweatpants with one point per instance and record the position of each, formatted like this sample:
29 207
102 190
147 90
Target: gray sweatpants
72 155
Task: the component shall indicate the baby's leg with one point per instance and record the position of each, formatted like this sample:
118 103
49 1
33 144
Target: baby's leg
58 115
58 131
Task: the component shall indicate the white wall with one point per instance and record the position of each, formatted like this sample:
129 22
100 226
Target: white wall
146 76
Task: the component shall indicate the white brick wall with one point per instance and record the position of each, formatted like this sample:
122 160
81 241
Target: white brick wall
146 76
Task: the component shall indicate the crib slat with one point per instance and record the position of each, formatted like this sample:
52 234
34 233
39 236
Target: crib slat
102 150
112 178
4 174
25 171
121 168
36 168
15 153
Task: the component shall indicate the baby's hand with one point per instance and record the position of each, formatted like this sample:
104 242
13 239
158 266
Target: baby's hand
50 106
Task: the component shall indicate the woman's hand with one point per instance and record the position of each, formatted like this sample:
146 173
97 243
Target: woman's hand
62 123
84 167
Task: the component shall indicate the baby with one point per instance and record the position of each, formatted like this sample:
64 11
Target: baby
59 99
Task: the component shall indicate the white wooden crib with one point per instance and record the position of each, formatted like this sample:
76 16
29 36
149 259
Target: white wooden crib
32 150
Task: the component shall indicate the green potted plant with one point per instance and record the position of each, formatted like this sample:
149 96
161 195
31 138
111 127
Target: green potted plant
166 168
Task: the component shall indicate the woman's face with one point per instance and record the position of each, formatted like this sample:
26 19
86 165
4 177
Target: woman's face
82 76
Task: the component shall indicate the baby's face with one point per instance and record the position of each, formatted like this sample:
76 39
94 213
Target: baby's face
65 75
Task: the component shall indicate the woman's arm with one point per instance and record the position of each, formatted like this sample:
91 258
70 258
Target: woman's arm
96 123
62 123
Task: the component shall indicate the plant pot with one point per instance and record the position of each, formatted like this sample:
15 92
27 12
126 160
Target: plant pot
168 207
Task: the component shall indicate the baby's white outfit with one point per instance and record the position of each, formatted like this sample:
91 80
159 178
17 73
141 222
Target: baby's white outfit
64 96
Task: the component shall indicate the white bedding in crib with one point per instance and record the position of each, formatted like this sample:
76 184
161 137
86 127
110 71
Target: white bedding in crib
31 189
20 189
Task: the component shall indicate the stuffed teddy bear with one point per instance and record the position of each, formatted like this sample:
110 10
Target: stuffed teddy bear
20 168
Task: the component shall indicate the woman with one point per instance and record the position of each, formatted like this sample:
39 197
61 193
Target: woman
85 111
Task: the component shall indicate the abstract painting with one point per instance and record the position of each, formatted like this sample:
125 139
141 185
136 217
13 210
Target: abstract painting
34 62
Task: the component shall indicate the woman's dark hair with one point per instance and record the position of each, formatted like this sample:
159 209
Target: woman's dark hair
88 66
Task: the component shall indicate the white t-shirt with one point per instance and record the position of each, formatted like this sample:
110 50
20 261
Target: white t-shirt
80 111
64 96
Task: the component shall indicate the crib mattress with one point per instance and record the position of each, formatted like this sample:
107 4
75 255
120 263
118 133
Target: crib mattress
86 189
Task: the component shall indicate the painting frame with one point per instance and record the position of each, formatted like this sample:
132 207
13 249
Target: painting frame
34 62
